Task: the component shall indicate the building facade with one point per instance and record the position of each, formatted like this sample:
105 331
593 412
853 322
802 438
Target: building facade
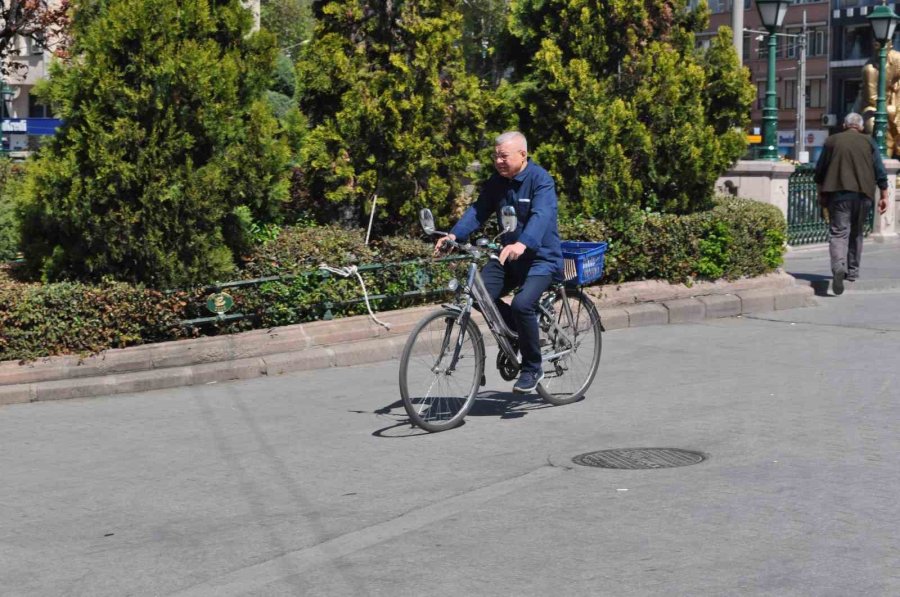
852 47
838 44
813 17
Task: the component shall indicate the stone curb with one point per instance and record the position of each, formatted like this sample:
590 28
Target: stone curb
356 340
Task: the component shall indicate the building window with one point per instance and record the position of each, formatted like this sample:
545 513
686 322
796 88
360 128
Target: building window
789 94
816 93
816 42
857 42
717 6
789 47
37 43
849 93
38 110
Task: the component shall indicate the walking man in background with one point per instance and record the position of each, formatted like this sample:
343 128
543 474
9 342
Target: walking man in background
847 172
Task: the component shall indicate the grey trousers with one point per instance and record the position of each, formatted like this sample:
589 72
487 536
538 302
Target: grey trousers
848 212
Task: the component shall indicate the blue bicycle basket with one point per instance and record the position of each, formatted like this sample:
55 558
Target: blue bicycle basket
582 261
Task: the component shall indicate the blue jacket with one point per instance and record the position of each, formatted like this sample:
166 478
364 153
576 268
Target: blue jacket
533 194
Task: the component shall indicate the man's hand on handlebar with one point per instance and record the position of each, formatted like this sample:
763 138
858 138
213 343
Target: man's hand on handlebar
439 245
512 252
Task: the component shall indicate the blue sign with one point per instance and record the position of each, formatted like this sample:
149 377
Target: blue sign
31 126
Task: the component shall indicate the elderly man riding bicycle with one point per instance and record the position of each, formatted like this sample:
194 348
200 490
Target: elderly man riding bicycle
531 257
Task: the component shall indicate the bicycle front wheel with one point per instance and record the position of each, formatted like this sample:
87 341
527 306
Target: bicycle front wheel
570 348
437 394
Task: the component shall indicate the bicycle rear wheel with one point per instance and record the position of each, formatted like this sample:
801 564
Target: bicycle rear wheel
436 398
571 353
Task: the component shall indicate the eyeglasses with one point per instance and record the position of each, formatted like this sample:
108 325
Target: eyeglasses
503 157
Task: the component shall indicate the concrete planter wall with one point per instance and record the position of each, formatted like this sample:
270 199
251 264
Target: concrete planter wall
768 182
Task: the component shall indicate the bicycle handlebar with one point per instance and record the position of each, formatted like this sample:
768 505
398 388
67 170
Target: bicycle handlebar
473 250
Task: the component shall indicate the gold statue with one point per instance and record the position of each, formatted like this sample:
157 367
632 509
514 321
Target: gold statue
867 100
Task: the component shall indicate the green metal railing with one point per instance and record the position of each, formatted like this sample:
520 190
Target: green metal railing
805 220
219 302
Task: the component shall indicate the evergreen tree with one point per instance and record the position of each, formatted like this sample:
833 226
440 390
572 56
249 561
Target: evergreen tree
290 20
487 45
627 113
167 143
390 107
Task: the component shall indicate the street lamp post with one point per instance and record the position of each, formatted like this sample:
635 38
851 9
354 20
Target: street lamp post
883 21
6 94
771 13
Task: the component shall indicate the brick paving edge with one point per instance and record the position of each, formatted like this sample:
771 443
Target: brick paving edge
348 341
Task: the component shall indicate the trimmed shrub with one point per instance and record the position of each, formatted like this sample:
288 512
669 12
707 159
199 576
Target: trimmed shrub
737 237
38 320
308 293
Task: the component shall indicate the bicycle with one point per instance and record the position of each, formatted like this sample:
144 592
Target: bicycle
443 362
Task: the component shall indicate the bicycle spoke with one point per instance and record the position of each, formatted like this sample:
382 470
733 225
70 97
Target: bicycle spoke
577 342
434 397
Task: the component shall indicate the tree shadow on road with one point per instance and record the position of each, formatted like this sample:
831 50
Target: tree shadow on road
489 403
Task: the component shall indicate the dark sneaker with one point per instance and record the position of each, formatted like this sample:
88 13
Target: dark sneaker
528 381
837 283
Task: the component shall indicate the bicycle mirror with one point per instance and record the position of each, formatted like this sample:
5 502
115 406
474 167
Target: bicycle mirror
508 218
426 219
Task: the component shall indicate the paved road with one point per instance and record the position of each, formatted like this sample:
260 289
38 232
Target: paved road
311 484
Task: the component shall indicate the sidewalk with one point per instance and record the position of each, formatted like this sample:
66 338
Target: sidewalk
880 269
357 340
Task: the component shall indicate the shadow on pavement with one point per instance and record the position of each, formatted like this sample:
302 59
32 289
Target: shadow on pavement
819 282
491 403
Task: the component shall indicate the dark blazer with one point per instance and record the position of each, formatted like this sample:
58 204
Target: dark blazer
533 194
850 161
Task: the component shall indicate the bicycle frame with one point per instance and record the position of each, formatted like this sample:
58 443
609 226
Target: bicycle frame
476 291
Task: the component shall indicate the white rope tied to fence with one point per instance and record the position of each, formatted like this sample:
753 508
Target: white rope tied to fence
346 272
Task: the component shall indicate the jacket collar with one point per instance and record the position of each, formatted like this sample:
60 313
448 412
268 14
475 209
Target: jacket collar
521 175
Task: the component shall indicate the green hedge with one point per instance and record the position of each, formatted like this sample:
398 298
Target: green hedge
306 296
736 238
38 320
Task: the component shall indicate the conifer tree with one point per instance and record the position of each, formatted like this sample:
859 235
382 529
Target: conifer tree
167 143
627 113
391 109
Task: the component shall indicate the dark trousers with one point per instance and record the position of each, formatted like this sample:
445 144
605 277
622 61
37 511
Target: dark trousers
521 315
848 213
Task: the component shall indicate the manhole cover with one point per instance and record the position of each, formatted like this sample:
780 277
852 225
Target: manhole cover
640 458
